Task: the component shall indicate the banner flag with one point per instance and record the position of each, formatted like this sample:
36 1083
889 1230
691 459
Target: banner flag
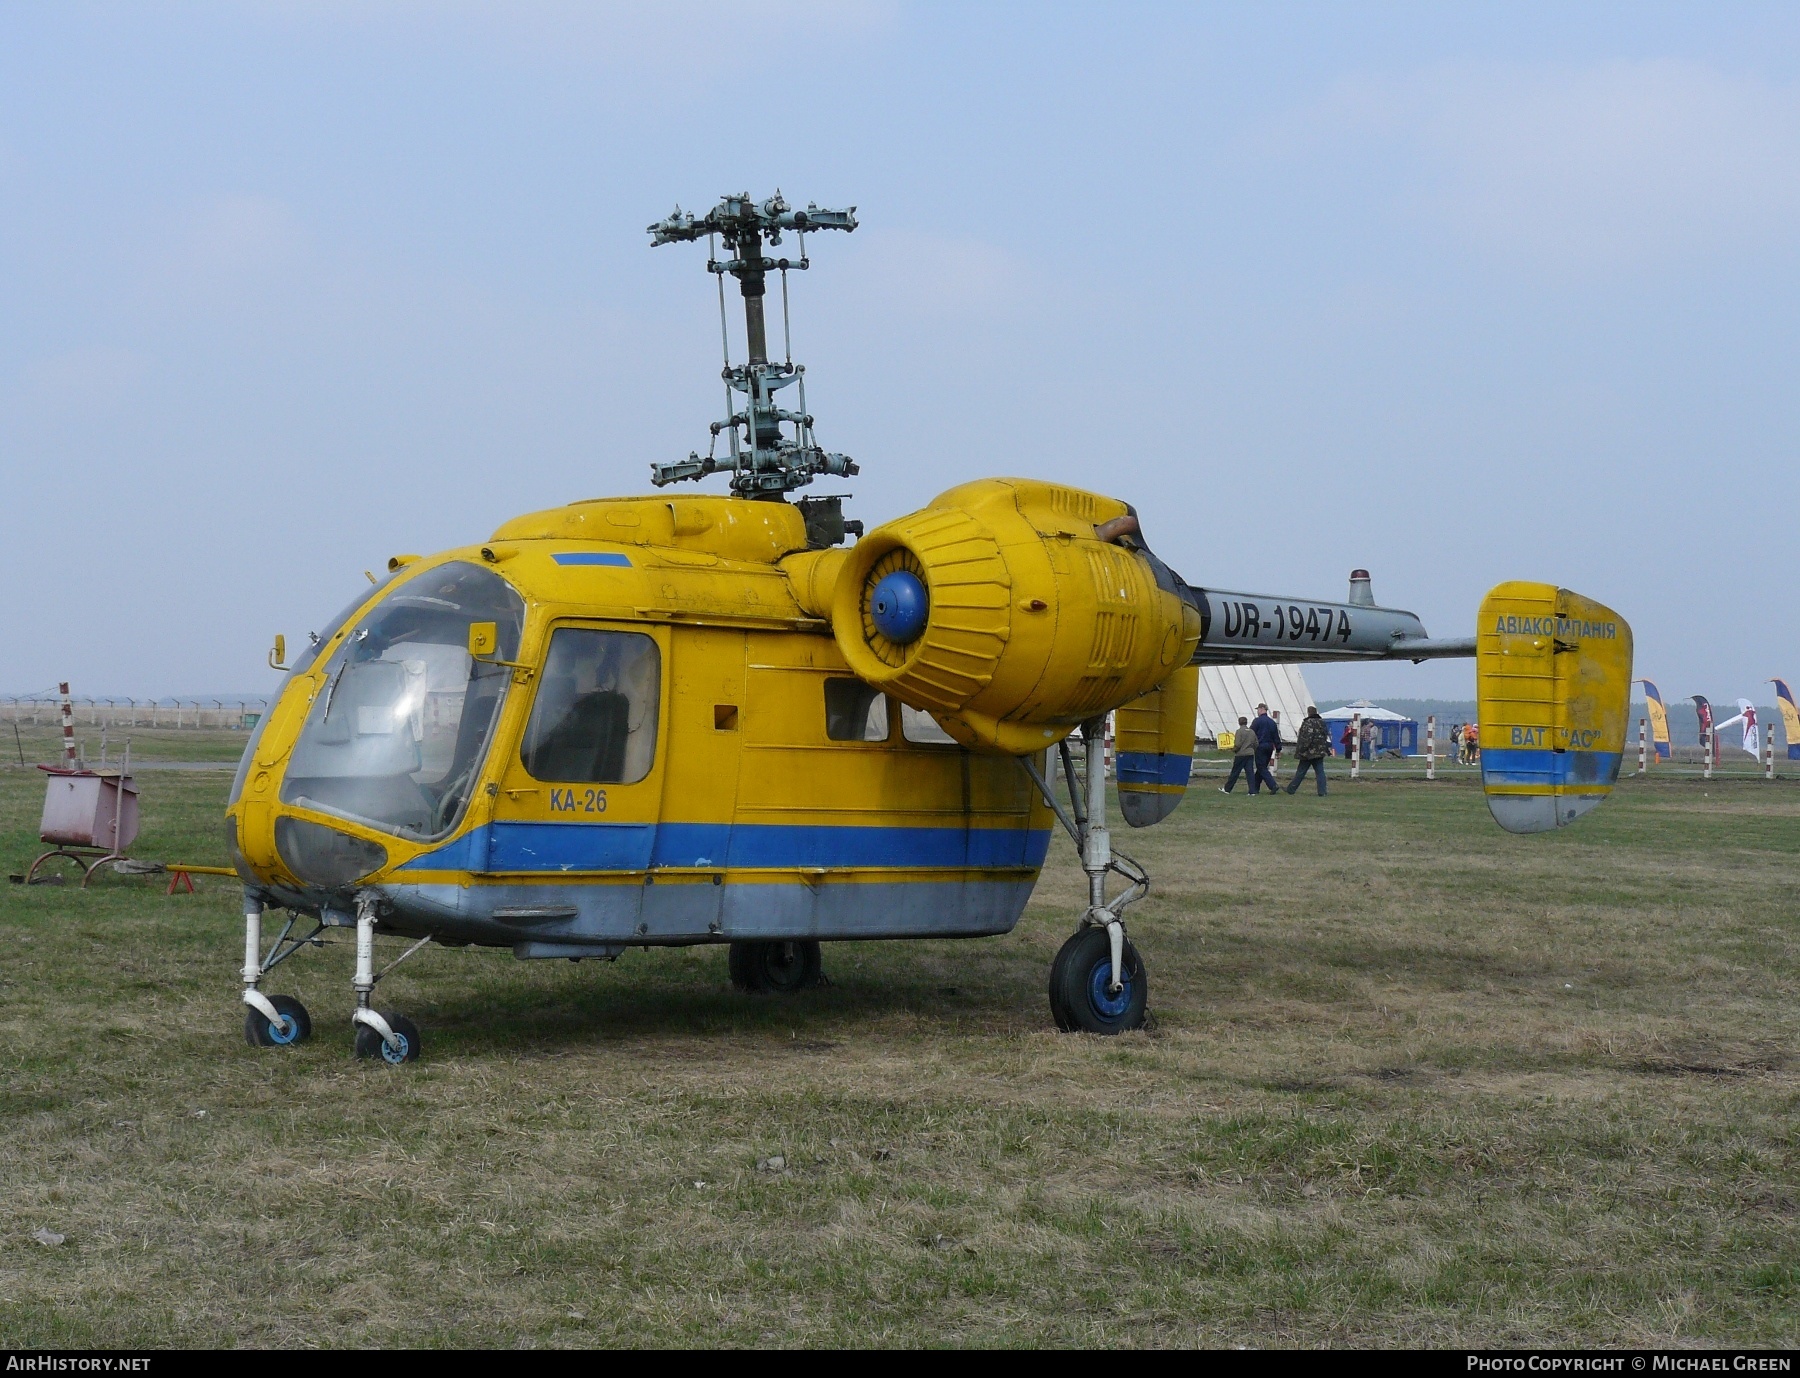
1790 717
1659 718
1746 718
1703 711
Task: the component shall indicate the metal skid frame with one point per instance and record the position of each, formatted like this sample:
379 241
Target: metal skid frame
257 964
1085 822
89 859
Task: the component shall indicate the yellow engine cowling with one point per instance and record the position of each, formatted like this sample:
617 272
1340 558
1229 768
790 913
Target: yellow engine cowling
1032 623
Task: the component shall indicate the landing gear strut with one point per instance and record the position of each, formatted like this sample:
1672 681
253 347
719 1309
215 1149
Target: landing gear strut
1097 983
392 1037
281 1021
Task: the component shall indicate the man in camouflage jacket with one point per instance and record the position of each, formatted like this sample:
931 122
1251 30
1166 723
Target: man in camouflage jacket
1313 746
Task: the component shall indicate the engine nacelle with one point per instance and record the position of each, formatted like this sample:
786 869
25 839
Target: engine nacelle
999 611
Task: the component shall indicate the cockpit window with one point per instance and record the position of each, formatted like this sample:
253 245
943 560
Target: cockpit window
594 720
302 663
399 730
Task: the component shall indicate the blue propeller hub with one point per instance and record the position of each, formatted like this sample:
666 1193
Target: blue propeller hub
900 606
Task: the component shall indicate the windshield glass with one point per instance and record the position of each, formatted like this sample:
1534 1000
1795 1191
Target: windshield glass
300 666
399 731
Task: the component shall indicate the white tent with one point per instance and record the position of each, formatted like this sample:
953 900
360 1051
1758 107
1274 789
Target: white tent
1366 710
1228 692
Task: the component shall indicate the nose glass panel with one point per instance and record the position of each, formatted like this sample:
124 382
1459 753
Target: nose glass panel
301 665
397 736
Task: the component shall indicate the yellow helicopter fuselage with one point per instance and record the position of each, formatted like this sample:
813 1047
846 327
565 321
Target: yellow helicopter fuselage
669 745
649 721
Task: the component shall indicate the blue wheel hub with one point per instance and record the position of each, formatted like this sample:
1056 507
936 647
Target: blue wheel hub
900 606
1105 1003
285 1032
396 1056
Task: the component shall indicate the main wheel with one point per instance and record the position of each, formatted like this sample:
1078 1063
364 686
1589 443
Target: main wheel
371 1044
260 1033
1080 1000
781 967
737 962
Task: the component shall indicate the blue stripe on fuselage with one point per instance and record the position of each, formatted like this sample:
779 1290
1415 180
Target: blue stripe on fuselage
514 847
1506 766
1151 768
592 557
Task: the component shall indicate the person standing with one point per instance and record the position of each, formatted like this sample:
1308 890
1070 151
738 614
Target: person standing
1456 742
1268 737
1347 739
1243 756
1472 742
1312 746
1371 734
1275 757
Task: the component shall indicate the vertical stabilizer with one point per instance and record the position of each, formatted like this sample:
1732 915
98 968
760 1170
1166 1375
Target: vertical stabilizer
1553 674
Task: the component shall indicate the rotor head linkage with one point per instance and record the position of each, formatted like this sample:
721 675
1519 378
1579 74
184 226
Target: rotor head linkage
764 461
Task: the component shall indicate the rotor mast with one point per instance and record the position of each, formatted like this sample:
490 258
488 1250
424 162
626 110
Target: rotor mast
764 460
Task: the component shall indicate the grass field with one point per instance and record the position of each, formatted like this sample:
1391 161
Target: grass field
1409 1081
44 743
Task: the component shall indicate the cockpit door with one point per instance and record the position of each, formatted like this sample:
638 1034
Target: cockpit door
581 794
705 727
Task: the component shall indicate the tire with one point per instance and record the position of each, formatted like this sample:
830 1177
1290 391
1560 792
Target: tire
260 1033
1079 1000
370 1044
737 962
1059 1012
778 967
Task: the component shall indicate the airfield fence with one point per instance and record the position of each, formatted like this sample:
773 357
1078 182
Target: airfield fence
239 714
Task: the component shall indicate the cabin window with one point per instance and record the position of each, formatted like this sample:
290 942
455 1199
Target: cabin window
855 712
917 726
594 721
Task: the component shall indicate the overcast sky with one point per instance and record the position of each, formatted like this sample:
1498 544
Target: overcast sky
1457 293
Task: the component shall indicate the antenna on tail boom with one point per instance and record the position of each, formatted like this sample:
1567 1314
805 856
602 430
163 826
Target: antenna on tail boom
765 461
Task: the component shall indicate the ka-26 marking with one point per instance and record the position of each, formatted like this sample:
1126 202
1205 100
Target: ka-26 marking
1291 622
577 801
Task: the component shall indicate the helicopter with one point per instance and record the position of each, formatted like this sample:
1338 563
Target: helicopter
742 719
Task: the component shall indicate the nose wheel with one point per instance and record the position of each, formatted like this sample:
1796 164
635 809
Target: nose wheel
271 1021
280 1021
379 1033
400 1044
291 1025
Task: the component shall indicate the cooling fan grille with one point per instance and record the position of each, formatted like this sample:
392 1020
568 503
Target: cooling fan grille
898 560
